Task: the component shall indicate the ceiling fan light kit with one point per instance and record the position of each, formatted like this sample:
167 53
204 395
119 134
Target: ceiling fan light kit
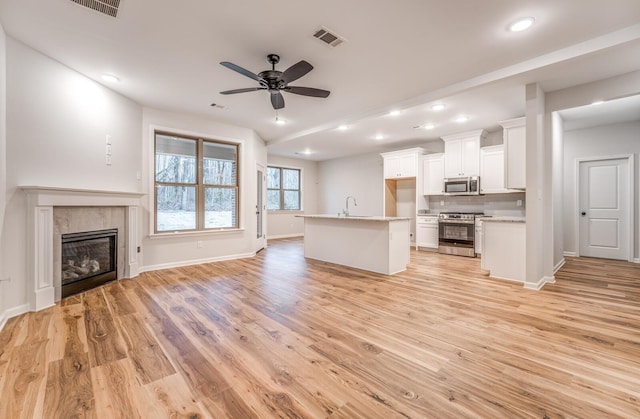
275 81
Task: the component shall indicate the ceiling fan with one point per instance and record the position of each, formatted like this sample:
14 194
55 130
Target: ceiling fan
275 81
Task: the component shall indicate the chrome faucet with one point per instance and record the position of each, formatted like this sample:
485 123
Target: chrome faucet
346 211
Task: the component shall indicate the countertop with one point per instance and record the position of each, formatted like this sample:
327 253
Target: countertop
503 219
354 217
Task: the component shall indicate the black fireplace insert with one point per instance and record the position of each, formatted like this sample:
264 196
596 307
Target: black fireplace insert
89 259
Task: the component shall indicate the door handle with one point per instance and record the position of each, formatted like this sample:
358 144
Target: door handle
583 213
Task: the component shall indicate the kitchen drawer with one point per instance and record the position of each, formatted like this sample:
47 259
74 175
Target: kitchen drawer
427 219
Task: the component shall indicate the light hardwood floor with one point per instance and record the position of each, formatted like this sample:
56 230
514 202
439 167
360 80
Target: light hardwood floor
281 336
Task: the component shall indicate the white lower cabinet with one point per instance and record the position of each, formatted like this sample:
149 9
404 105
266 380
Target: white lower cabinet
478 237
427 232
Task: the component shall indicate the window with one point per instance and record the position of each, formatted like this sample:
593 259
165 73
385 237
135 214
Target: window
196 183
283 188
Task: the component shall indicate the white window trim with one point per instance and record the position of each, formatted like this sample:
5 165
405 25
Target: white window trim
152 177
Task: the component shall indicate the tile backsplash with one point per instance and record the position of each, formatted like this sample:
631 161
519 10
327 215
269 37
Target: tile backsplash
494 204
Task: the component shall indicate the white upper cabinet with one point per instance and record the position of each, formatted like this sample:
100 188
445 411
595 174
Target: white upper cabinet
515 168
492 170
402 164
462 154
433 174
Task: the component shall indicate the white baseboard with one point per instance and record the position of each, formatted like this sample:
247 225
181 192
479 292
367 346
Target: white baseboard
541 283
558 266
12 312
570 254
285 236
636 260
194 262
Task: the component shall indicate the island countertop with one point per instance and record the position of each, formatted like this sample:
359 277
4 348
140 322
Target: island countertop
354 217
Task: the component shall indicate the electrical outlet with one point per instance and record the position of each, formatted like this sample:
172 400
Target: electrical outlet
442 203
199 244
519 202
138 175
138 249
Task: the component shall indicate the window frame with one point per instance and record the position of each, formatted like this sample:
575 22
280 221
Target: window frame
282 189
200 186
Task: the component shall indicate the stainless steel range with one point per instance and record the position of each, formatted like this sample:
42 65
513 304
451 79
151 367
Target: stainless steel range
456 233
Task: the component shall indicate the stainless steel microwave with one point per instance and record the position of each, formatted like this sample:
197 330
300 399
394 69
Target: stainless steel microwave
462 185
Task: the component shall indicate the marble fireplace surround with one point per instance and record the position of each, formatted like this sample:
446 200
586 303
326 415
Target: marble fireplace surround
104 207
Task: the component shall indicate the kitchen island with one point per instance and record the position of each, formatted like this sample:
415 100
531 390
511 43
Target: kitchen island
376 244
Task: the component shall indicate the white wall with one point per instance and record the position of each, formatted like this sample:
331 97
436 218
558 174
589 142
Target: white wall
56 123
285 223
3 163
164 251
360 176
607 140
580 95
558 191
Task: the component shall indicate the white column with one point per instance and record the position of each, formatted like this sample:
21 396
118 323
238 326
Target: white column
41 264
132 268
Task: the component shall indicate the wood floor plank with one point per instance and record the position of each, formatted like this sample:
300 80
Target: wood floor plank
69 391
25 381
170 397
203 378
105 343
277 335
116 390
150 362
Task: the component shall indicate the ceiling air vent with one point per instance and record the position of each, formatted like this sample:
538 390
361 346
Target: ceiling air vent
328 37
107 7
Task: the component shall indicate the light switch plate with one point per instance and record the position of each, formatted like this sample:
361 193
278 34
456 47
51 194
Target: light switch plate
108 139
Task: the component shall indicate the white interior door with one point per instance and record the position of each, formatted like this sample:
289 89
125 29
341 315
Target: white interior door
261 209
604 213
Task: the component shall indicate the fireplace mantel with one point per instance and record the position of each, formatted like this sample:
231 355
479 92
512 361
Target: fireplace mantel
40 203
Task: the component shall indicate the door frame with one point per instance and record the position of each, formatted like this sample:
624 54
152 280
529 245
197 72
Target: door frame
631 203
261 243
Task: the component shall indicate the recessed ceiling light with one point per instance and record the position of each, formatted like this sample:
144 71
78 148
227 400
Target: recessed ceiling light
305 152
280 121
461 119
598 102
394 113
429 126
110 78
437 107
343 127
521 24
379 137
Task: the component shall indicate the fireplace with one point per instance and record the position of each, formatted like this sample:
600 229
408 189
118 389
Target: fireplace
89 259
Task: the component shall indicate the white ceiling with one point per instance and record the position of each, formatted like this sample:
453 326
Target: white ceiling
401 55
609 112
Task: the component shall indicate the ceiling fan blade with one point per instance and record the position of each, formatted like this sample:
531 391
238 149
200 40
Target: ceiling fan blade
307 91
277 100
248 89
296 71
242 71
